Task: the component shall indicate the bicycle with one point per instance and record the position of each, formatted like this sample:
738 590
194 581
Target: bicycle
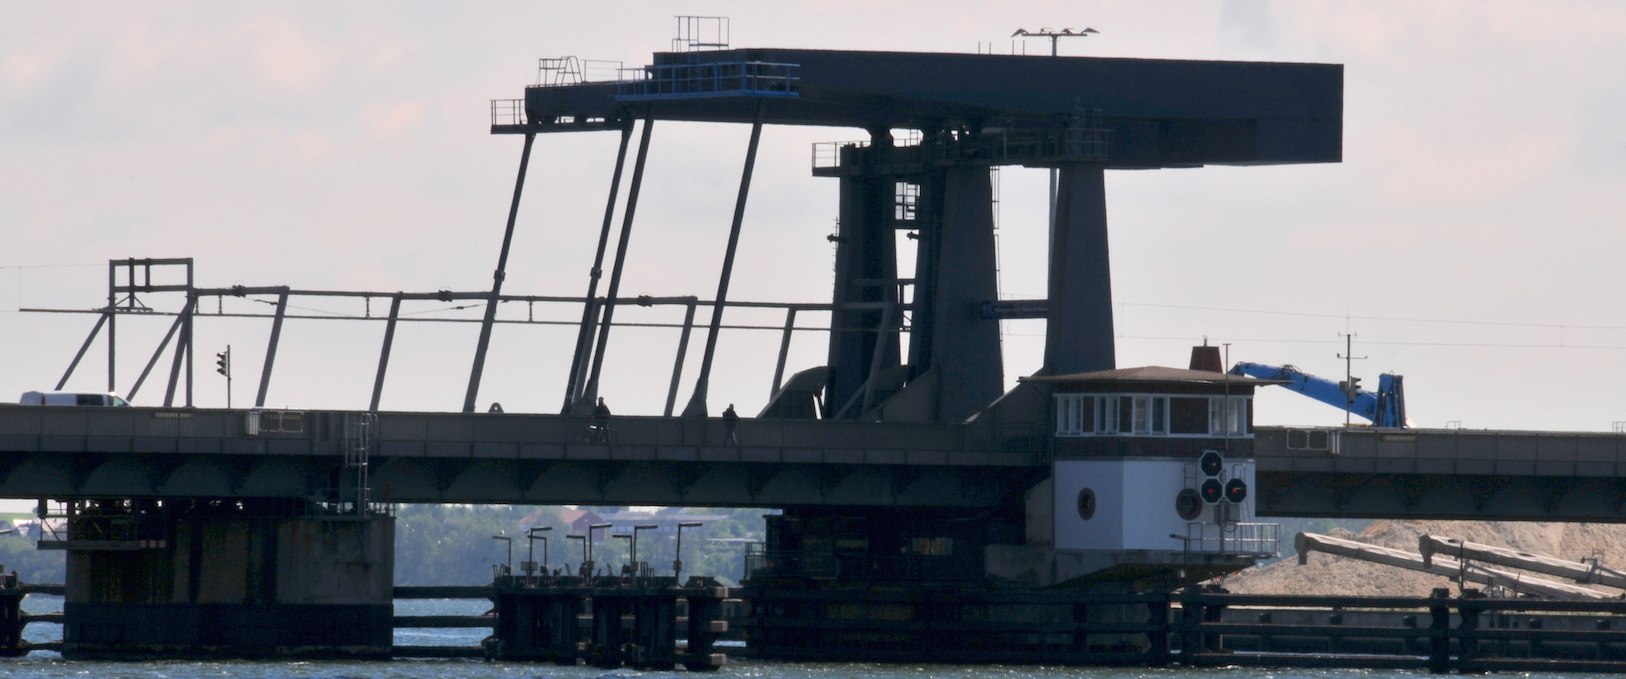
598 435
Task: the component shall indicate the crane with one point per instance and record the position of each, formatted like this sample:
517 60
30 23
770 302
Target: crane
1385 408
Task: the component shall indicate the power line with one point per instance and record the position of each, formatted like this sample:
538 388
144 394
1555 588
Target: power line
1391 319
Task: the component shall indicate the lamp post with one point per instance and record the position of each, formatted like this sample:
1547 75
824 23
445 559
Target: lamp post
635 529
590 529
583 538
1054 36
677 557
508 568
530 549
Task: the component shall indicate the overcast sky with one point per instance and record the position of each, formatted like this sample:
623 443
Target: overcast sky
1472 238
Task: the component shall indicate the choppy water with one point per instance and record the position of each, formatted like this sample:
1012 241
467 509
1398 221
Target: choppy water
52 665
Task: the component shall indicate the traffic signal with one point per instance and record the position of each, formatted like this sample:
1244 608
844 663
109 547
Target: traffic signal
223 363
1236 490
1216 487
1212 491
1212 463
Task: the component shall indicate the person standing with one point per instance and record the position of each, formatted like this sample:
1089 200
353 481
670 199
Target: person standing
731 422
601 422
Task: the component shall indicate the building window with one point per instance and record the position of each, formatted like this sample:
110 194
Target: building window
1153 415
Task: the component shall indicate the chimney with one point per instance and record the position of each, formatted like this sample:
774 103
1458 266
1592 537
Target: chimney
1206 358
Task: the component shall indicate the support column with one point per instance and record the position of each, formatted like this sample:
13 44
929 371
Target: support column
866 266
1079 335
210 581
955 274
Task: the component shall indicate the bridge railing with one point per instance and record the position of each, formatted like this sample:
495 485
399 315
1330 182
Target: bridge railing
1440 451
319 432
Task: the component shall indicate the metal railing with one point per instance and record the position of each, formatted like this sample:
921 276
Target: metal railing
694 80
508 112
1241 539
560 71
792 564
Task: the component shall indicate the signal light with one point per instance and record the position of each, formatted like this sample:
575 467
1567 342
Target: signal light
1211 463
1236 490
1212 491
223 363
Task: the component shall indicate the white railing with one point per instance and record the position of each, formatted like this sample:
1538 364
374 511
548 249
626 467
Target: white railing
1242 539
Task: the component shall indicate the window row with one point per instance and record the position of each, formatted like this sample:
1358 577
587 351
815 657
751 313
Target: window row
1151 415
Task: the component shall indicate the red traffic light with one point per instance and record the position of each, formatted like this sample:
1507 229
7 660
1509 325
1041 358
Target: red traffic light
1236 490
1212 491
1212 463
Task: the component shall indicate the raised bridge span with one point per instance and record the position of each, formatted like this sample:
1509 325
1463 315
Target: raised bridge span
544 459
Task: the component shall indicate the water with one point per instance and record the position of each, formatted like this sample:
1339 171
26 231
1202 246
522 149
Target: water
52 665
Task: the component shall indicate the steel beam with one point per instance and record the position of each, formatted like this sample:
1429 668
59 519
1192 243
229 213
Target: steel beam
384 353
590 390
105 319
697 403
271 348
682 351
163 344
496 281
584 334
784 351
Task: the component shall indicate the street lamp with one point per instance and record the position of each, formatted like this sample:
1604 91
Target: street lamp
508 568
590 529
635 529
1054 35
530 549
677 558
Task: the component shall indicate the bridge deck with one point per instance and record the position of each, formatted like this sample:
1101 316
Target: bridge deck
545 459
1441 474
504 458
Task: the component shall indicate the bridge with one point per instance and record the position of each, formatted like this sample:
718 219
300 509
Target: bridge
68 453
86 453
904 454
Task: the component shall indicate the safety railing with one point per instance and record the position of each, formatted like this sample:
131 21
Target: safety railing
559 71
1240 539
694 80
788 563
507 112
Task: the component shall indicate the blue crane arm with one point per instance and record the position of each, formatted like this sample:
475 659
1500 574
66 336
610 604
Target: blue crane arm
1318 388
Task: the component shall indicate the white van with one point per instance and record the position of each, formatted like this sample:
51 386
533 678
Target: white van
68 398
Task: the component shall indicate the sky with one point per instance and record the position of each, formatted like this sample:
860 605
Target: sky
1470 240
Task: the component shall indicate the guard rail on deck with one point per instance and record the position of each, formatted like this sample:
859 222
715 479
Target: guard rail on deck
503 435
1440 451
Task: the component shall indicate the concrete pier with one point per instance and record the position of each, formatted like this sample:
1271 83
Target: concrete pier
225 579
607 622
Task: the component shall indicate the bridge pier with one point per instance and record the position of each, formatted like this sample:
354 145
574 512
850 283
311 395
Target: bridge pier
199 578
11 617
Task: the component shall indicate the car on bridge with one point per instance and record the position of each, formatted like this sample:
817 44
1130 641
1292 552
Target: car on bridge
67 398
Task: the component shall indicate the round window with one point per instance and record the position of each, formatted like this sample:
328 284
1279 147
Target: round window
1188 504
1086 504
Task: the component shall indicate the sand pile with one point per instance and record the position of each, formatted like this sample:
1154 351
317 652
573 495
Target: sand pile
1335 575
